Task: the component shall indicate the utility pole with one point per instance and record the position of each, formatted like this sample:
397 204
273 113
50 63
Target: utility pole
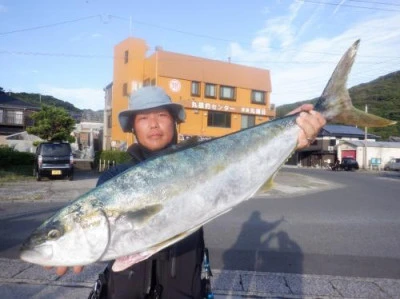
365 141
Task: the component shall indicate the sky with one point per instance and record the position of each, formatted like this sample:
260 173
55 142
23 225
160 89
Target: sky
65 48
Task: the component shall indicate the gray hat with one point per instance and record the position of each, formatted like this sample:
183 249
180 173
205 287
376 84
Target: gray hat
146 98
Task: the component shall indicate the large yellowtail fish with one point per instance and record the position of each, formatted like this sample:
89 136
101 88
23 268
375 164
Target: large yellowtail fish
164 199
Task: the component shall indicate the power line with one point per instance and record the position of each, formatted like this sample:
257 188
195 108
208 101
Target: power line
348 5
30 53
375 2
48 26
151 25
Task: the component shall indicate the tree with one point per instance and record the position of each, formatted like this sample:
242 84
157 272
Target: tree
53 124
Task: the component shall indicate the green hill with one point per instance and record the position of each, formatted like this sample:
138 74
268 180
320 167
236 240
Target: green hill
78 114
382 96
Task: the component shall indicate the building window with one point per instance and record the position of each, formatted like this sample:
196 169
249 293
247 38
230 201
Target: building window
126 57
125 89
258 97
146 82
15 117
195 89
109 119
19 117
332 142
248 121
211 91
219 119
227 93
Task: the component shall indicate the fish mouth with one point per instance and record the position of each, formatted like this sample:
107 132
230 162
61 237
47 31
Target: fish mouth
38 255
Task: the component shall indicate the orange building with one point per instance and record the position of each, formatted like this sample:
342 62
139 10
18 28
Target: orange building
219 97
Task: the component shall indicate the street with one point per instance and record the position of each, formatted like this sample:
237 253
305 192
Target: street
346 225
335 223
349 230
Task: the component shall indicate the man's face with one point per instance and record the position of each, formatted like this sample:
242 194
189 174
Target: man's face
154 129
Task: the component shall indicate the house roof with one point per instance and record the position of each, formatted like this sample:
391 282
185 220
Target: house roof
382 144
344 131
7 101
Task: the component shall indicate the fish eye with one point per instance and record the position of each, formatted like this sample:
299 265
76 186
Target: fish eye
54 234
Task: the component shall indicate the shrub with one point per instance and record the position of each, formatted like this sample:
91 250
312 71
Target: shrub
10 158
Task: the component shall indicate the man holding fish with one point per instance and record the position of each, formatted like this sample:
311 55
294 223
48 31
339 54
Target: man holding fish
174 272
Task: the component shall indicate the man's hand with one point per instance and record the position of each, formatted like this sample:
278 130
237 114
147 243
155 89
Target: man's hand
60 271
310 122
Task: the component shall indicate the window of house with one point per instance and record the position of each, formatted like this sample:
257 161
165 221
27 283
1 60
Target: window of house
332 142
195 89
15 117
227 92
126 57
219 119
248 121
257 97
210 91
125 89
19 117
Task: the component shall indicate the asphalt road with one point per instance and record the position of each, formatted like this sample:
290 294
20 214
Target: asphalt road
351 229
312 222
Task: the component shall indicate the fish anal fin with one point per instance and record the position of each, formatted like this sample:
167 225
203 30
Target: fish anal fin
122 263
125 262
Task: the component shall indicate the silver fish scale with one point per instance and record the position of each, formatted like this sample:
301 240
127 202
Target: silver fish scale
200 182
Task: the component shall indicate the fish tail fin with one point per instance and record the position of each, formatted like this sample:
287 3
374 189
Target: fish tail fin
335 102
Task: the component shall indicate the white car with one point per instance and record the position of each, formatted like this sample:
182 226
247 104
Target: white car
393 164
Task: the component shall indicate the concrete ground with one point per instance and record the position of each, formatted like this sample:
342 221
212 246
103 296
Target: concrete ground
22 280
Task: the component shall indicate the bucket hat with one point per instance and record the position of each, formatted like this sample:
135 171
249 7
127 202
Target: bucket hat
146 98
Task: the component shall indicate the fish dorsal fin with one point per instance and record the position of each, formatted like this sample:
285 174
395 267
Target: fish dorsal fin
136 219
188 143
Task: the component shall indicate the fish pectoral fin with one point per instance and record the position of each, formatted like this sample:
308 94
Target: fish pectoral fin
138 218
268 185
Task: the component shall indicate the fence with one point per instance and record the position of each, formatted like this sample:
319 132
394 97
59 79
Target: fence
105 165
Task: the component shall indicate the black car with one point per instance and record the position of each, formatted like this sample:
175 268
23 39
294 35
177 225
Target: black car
54 159
348 164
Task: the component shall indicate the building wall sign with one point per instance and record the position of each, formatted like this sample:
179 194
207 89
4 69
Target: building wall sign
175 85
223 107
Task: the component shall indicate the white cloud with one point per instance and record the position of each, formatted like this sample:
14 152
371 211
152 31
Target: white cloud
301 67
82 98
96 35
